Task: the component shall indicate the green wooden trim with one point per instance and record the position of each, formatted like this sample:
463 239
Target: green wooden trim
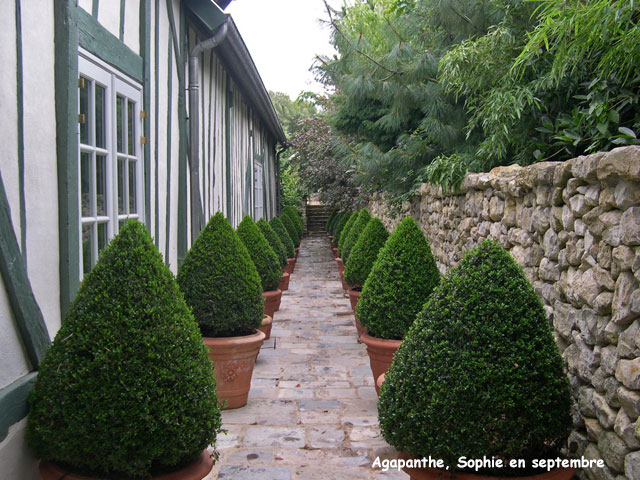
122 15
145 50
183 145
203 177
212 157
94 8
66 93
156 118
20 109
206 15
24 306
227 147
102 43
13 402
169 116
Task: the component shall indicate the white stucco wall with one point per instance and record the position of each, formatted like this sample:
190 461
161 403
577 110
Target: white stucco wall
13 358
86 5
109 16
132 25
17 461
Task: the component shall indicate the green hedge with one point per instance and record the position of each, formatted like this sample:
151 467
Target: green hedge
274 241
221 283
334 223
285 238
344 218
354 233
291 229
126 389
334 212
479 373
364 253
296 218
401 279
261 253
344 234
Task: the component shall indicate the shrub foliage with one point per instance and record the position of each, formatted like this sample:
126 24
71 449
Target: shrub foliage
221 283
478 374
364 253
126 388
401 279
285 238
330 220
291 229
274 241
345 233
295 217
261 253
354 233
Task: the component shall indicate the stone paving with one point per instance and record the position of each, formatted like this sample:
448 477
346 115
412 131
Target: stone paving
312 407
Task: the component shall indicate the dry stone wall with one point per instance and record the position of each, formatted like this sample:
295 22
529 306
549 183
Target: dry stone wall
574 227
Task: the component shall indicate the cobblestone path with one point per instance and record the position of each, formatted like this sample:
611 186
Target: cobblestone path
312 407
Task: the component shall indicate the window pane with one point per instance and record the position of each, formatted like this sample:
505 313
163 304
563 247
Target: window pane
87 242
132 187
100 120
101 185
121 185
120 123
84 110
131 127
85 181
102 236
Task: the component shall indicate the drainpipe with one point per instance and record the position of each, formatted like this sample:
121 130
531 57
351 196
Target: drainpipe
197 212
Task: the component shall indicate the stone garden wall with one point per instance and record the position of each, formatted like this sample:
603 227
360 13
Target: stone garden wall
575 229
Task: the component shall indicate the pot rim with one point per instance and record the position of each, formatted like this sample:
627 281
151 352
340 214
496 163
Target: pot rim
256 336
367 339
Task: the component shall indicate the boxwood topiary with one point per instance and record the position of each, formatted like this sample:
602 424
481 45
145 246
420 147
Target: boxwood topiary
364 253
333 214
345 233
126 388
263 256
354 233
296 218
478 374
221 283
274 241
334 222
285 238
291 229
344 218
401 279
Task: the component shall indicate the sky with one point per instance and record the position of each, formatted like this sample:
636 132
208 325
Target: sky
283 37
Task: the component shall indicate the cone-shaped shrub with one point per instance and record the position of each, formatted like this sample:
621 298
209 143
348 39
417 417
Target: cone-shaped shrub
364 253
126 388
285 238
263 256
294 215
221 283
344 218
401 279
330 220
291 229
345 233
478 374
354 233
334 222
274 241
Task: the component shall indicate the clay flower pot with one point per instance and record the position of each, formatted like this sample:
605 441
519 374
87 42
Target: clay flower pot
345 285
381 354
380 381
233 360
297 251
441 474
272 301
265 326
290 265
284 281
194 471
359 327
354 296
335 252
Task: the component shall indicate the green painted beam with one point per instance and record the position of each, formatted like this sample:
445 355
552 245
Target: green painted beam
169 117
95 6
205 14
102 43
145 51
227 144
122 15
156 119
66 94
13 402
24 306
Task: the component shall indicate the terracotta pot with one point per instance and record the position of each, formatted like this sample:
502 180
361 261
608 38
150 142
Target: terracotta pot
194 471
335 251
297 251
380 381
265 326
284 281
359 327
272 301
354 296
233 360
439 474
290 265
381 354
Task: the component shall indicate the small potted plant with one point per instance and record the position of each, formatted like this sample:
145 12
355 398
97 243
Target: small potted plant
361 260
266 263
221 285
286 240
479 375
126 389
293 213
401 279
277 246
337 231
343 235
330 220
351 238
291 230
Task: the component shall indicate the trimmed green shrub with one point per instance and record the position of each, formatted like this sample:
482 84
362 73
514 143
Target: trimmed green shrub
221 283
291 229
401 279
344 218
285 238
263 256
334 222
334 212
345 233
126 388
478 374
354 233
293 213
274 241
364 253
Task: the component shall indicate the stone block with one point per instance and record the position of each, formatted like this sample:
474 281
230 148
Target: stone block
605 414
630 226
627 194
622 162
625 429
594 429
621 305
632 465
611 391
628 373
613 450
627 341
630 402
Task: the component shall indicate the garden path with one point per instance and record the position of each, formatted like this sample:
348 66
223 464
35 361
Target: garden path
312 406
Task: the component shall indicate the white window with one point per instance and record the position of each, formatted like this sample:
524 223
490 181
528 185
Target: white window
110 155
258 204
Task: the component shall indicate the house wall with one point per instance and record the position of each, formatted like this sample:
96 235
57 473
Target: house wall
574 227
